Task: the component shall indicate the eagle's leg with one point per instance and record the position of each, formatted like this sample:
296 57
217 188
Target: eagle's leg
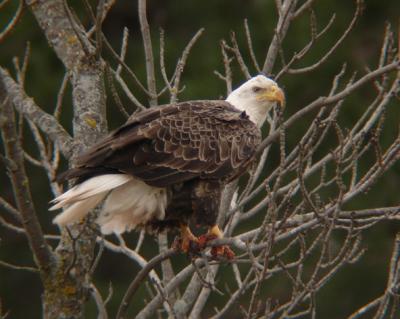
187 240
216 251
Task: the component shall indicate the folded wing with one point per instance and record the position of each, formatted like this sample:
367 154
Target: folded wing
175 143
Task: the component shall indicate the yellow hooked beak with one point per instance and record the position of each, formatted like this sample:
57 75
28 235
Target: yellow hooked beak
273 94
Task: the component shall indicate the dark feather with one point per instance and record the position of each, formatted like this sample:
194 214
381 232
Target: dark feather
175 143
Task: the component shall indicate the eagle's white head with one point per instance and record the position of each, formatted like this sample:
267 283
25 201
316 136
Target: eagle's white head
256 97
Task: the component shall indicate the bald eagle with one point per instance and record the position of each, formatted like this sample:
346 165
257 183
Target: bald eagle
168 165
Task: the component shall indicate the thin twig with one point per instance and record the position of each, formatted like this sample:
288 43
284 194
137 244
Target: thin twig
134 285
16 267
11 25
20 184
148 51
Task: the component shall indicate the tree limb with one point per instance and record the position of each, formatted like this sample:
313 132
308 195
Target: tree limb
46 122
13 150
138 280
148 50
321 101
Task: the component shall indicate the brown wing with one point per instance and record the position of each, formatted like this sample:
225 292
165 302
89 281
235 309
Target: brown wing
175 143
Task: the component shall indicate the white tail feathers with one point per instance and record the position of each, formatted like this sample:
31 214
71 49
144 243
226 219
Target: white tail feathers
83 197
130 202
118 224
78 210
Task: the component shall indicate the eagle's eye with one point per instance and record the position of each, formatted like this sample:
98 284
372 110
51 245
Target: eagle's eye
256 89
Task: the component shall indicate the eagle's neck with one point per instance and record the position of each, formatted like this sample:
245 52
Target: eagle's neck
257 113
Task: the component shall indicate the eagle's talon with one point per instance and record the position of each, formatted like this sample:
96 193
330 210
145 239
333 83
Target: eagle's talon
193 246
222 251
217 252
187 243
204 239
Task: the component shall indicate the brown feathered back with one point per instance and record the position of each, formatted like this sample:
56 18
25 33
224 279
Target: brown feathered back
175 143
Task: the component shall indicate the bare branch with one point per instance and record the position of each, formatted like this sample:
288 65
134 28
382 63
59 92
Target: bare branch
250 46
131 254
11 25
99 20
114 92
8 207
148 50
138 280
15 267
54 21
181 64
122 64
100 303
239 58
124 47
60 96
322 101
393 282
335 46
285 17
227 78
42 252
305 6
47 123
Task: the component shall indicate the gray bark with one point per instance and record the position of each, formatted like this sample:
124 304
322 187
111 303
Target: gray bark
66 290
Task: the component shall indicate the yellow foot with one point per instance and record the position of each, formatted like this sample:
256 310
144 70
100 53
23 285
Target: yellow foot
223 251
217 252
188 242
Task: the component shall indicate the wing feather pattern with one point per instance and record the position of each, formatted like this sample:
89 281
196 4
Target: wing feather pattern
175 143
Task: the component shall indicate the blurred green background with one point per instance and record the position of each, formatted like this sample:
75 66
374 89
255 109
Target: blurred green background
354 285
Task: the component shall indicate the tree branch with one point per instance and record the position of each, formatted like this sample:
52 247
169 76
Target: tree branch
53 20
322 101
138 280
148 50
285 18
13 150
46 122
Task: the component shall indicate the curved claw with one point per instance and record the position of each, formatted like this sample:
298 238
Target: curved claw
187 243
222 251
192 245
217 252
